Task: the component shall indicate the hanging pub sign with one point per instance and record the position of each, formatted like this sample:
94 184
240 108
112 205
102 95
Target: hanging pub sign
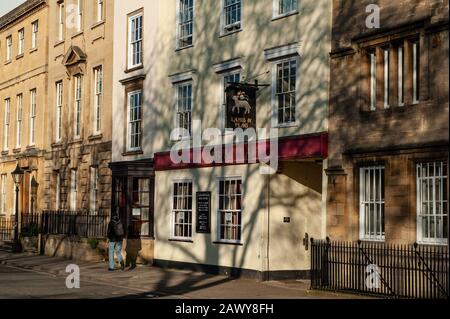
203 212
240 106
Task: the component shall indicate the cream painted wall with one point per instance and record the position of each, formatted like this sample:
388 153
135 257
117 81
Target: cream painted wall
293 194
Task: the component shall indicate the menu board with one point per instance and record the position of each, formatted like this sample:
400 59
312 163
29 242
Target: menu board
203 212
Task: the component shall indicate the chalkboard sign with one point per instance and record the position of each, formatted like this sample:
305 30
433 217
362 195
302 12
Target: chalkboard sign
203 212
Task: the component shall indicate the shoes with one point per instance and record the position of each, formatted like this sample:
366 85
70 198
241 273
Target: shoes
122 265
110 269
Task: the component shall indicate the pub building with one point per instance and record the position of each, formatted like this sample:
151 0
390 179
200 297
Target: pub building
221 217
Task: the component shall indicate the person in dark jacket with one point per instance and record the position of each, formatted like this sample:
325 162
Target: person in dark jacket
115 236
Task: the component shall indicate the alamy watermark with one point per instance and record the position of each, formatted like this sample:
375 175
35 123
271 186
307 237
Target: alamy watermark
373 279
73 279
373 19
234 146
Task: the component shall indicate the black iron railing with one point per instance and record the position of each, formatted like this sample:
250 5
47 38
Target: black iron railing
393 270
74 223
6 229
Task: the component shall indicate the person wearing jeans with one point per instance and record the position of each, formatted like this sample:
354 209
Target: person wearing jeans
115 236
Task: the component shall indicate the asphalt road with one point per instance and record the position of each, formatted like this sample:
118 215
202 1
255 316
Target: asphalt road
18 283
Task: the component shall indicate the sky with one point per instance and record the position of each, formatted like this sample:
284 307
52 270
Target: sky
8 5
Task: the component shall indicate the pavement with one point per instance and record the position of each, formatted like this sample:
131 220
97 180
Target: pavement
28 275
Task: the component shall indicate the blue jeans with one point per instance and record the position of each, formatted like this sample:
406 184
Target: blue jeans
114 247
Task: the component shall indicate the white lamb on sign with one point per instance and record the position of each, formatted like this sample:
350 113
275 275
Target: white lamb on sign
240 100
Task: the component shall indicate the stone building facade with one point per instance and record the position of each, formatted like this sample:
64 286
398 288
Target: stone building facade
23 100
388 123
78 139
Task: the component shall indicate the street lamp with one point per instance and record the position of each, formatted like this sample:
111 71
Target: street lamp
17 176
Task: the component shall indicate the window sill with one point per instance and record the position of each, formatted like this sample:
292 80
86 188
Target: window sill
31 147
184 48
57 144
17 150
20 56
224 33
76 141
134 68
77 34
95 137
97 24
8 62
218 242
33 50
373 240
181 240
58 43
285 15
424 243
5 153
131 153
286 125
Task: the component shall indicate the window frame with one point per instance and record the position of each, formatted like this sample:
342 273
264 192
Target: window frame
419 214
19 120
239 211
73 190
61 24
362 202
177 87
373 80
32 126
415 48
78 105
93 189
100 11
9 48
98 99
179 23
233 27
174 211
59 109
34 34
275 108
58 191
21 42
3 185
128 135
401 75
386 77
80 15
276 14
7 124
130 43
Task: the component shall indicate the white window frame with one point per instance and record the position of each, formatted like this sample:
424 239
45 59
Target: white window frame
137 121
364 221
386 67
275 121
78 105
59 111
230 27
9 48
276 14
6 123
21 36
34 34
239 211
61 17
181 210
100 12
401 75
98 99
179 24
138 42
73 189
33 101
3 180
373 80
19 118
185 111
93 189
415 71
433 214
79 15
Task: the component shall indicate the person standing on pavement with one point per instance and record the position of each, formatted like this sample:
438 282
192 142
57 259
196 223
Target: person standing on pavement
115 236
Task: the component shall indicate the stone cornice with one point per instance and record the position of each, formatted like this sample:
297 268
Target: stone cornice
20 11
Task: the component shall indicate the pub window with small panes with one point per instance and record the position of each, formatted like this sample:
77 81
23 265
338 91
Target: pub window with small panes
392 74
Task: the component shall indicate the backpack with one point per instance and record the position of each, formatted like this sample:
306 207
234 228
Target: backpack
118 229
